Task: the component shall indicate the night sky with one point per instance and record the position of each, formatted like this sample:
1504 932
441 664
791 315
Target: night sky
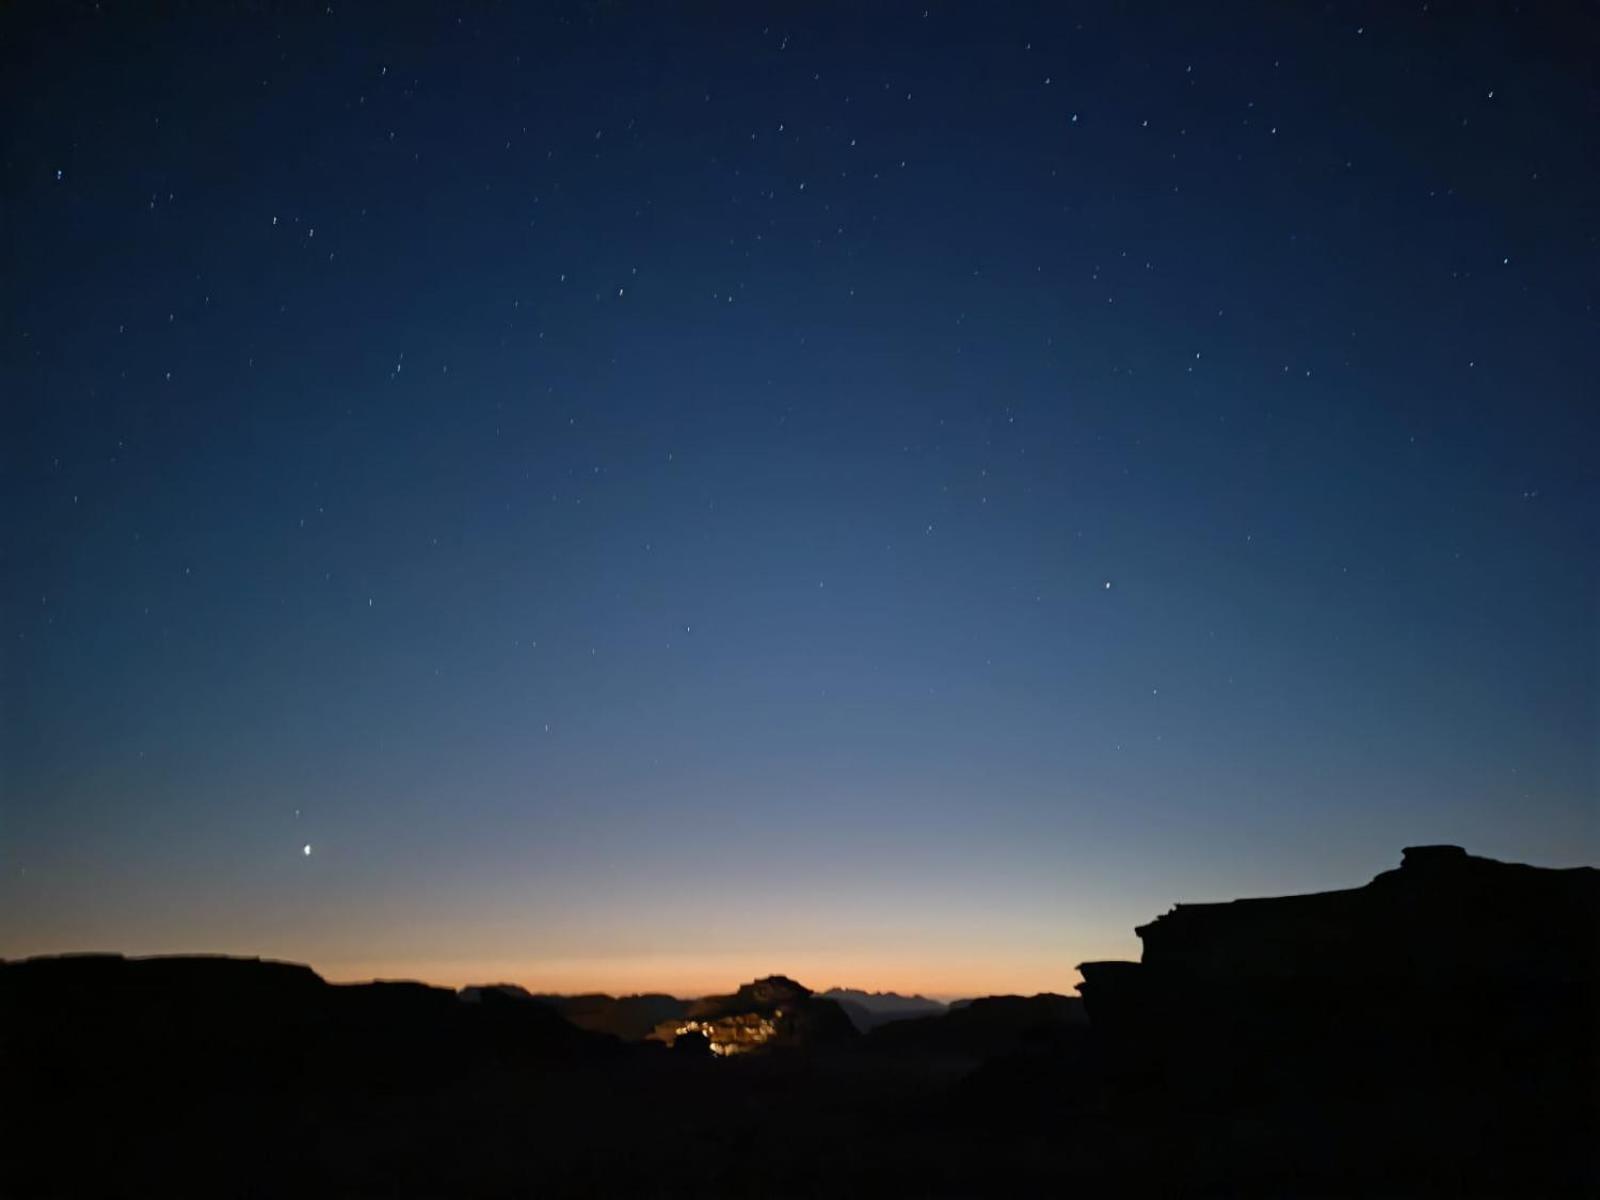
638 497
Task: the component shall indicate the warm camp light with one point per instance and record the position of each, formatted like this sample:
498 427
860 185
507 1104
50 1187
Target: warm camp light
733 1034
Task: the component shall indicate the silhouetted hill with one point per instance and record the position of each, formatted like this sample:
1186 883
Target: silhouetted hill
474 993
867 1010
632 1018
986 1027
245 1022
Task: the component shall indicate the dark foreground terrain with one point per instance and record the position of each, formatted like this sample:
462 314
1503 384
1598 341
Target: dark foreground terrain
1431 1033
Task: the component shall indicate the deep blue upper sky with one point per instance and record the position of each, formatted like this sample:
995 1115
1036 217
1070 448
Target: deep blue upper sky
894 496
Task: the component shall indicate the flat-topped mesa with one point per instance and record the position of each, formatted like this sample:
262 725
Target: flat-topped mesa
1425 857
1442 910
202 972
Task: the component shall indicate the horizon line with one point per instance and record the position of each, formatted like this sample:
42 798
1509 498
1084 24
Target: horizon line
448 980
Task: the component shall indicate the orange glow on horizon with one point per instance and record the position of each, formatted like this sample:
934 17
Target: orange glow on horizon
707 975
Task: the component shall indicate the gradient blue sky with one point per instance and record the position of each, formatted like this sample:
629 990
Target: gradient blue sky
634 488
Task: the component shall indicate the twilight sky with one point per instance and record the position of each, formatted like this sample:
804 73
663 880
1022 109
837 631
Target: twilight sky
652 495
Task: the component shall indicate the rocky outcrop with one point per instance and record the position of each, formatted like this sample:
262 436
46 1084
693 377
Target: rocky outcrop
1456 987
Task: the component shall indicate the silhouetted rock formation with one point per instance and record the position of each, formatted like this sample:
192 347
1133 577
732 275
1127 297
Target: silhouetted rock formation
771 1013
1432 1033
1455 997
868 1010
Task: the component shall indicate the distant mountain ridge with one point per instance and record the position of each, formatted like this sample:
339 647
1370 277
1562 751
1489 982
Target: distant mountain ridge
868 1010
